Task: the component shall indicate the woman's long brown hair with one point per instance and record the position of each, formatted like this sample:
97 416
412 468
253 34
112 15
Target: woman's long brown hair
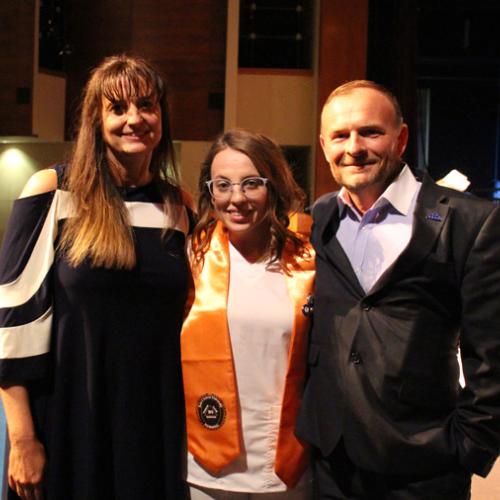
285 197
100 230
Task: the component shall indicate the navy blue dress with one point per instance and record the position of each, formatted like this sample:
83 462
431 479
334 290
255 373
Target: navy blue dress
98 350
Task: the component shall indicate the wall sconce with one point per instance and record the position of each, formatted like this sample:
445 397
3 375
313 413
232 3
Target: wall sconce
16 167
12 158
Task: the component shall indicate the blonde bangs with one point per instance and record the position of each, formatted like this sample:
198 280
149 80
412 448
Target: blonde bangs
128 84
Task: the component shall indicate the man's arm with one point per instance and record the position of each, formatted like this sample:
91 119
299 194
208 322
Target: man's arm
477 422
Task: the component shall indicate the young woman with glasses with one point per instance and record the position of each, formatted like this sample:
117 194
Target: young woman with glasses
244 340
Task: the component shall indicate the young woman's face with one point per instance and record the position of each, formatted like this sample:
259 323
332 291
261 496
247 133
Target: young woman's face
131 127
242 213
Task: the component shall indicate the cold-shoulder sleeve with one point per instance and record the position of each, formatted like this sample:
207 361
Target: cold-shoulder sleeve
26 260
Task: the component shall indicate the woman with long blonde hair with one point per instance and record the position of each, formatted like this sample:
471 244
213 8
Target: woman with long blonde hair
93 283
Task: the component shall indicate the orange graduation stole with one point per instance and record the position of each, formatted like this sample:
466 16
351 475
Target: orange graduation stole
212 407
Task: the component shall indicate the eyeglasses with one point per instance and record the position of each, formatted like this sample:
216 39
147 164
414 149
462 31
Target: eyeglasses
250 187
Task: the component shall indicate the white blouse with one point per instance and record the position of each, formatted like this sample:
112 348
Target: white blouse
260 319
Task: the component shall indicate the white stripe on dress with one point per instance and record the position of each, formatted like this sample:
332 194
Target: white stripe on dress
152 215
142 214
20 290
31 339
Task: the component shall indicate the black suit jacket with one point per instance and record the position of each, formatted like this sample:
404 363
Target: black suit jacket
384 374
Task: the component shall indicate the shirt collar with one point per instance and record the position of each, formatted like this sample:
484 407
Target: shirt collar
399 194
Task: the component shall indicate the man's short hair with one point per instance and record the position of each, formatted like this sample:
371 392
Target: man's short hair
348 87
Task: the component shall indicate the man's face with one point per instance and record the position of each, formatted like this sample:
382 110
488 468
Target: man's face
362 141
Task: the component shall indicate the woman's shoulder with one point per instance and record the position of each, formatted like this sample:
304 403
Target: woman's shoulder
43 181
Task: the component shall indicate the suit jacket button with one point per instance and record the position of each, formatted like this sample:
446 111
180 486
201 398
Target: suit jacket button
355 357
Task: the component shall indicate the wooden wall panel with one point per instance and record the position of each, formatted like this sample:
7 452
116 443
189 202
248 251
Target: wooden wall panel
94 30
342 56
185 40
16 63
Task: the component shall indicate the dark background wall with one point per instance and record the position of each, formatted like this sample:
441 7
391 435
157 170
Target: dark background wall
16 63
449 52
459 64
438 56
185 40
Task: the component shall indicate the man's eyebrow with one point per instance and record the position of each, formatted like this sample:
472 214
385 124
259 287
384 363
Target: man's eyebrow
372 127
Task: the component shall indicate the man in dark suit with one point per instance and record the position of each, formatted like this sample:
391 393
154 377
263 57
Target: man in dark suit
407 271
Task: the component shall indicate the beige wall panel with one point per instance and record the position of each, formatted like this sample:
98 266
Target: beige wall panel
280 106
192 154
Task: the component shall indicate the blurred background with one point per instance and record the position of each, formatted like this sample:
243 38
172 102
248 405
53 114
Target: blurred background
266 65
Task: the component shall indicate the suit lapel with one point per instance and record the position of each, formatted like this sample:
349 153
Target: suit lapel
329 246
431 212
